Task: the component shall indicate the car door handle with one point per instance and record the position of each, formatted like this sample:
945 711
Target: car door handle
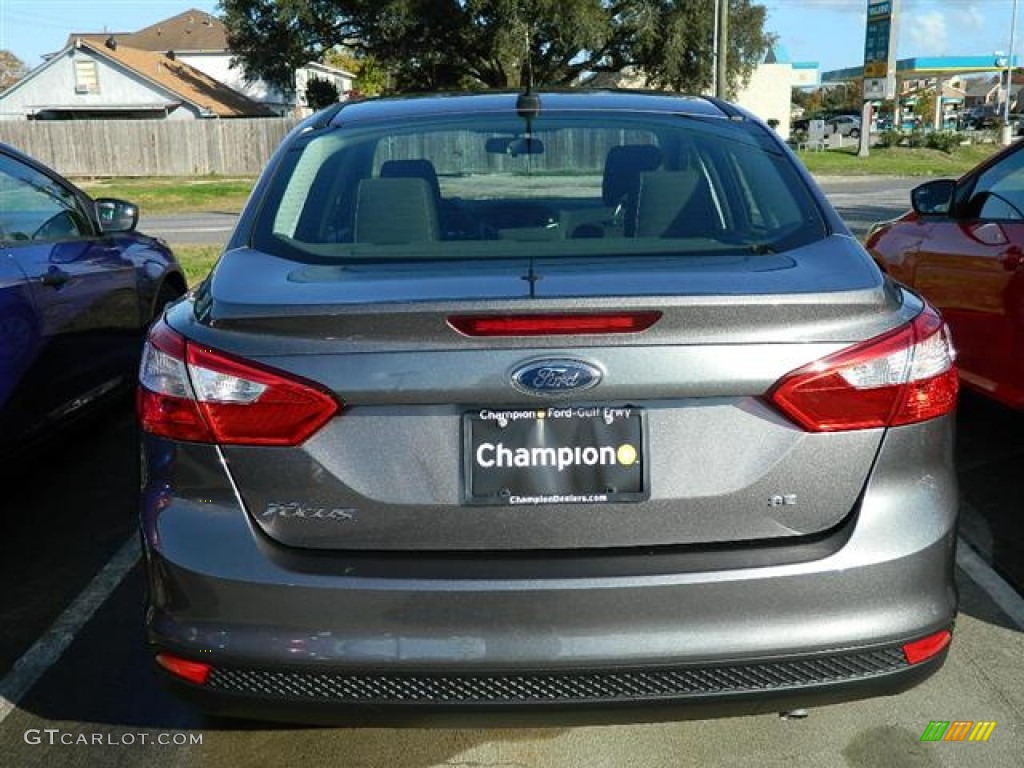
1012 260
55 277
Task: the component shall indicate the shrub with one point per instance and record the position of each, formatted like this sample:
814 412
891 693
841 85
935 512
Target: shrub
321 93
890 138
944 141
916 139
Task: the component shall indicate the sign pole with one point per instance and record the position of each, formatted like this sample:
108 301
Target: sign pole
879 63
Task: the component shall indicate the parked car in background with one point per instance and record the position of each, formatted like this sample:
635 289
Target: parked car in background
844 125
78 288
981 117
803 123
962 248
507 403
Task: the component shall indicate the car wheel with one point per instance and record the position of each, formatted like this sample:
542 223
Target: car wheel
854 134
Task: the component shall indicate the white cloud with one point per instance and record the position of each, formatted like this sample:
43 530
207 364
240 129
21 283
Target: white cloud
928 32
968 19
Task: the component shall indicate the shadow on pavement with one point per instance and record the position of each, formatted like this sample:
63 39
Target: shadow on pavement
68 506
990 468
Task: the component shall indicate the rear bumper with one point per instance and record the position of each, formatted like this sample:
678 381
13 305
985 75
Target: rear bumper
289 638
577 697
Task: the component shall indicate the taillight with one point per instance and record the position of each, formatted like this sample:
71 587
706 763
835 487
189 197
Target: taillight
194 671
553 325
927 647
190 392
902 377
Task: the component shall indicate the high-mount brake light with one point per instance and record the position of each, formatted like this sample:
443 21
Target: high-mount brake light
193 393
904 376
553 324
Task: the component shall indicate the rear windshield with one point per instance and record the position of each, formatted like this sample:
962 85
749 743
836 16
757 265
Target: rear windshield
480 186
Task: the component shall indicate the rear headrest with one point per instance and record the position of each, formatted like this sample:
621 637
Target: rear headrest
663 205
390 211
412 169
622 168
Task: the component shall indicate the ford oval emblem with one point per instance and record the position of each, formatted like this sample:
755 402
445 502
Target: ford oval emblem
555 376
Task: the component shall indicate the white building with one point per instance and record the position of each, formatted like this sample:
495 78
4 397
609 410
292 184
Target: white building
94 81
200 40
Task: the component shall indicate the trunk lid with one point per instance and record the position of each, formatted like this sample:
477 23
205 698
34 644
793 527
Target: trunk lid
713 462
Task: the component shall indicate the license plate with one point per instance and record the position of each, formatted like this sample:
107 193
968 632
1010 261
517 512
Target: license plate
555 455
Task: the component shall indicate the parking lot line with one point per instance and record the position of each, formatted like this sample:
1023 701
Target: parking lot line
982 574
45 652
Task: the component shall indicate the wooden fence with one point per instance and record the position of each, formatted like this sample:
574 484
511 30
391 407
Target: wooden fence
149 147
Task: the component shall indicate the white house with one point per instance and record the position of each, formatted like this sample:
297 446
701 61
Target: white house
341 79
201 41
112 81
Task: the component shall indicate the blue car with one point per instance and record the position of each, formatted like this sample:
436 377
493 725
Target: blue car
78 287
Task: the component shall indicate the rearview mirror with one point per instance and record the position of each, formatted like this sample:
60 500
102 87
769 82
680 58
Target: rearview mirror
934 198
514 146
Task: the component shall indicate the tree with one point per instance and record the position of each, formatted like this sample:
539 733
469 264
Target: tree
321 93
844 97
12 69
924 105
454 44
372 77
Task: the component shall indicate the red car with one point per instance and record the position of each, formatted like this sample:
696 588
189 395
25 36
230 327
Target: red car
962 248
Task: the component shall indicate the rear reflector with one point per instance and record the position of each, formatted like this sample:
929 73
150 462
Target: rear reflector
902 377
193 671
927 647
553 325
194 393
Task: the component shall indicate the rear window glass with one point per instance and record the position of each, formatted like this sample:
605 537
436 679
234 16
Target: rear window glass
492 186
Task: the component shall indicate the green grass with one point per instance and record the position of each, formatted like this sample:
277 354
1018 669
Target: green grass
896 161
196 260
163 195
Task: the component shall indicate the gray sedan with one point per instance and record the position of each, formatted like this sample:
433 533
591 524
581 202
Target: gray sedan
570 404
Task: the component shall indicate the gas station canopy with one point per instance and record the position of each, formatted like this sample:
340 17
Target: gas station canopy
929 66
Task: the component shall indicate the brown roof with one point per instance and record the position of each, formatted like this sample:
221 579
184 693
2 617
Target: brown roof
191 30
96 37
184 81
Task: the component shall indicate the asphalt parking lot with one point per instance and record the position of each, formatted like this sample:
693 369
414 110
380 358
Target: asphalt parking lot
77 688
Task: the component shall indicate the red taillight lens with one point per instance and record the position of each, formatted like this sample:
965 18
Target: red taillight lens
927 647
553 325
189 392
902 377
193 671
164 402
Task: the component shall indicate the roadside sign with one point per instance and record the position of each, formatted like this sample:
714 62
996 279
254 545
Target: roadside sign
880 50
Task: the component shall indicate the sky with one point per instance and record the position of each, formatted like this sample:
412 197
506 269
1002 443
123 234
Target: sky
830 32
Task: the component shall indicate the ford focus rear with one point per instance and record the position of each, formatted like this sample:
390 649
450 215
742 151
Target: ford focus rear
575 402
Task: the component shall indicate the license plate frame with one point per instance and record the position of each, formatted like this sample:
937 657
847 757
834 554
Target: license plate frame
565 454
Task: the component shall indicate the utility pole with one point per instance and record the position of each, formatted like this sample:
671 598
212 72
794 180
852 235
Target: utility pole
714 49
721 60
1007 132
